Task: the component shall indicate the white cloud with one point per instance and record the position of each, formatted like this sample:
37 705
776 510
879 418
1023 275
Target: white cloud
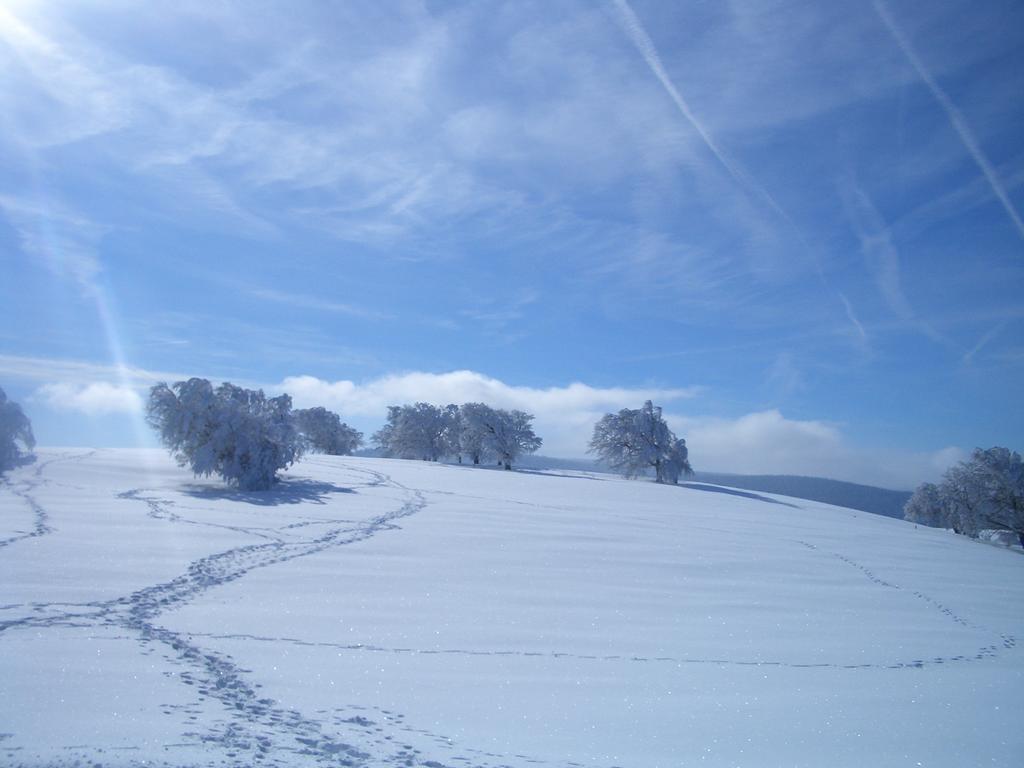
470 386
565 415
99 398
95 389
764 442
767 442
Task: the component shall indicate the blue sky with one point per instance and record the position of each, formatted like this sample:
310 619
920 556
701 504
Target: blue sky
797 226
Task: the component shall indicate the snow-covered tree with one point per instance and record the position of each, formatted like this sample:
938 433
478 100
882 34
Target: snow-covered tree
963 498
323 431
420 431
926 507
235 433
384 438
16 438
1000 475
429 432
634 441
677 462
985 492
393 437
452 438
508 435
473 418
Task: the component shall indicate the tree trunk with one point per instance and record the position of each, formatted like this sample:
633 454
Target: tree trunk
1020 537
508 464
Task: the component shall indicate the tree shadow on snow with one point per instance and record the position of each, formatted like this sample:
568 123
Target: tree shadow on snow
553 472
734 492
18 461
292 490
557 473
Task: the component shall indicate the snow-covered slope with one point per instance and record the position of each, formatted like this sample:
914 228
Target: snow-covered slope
382 612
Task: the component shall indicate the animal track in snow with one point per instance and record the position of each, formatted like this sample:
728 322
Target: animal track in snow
23 489
253 729
1006 641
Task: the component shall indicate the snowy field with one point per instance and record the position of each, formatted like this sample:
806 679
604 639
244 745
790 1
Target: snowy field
391 613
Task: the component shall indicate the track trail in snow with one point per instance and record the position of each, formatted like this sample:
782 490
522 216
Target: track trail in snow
252 729
988 651
256 727
1005 641
23 488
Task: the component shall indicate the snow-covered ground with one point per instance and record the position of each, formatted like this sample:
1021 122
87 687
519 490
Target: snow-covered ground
376 612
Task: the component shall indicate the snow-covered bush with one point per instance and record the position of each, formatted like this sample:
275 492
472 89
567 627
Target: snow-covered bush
16 438
926 506
235 433
323 431
634 441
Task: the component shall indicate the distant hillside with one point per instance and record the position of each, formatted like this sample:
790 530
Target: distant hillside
880 501
549 462
868 498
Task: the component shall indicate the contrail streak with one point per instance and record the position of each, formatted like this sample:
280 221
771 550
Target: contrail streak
984 340
634 29
955 118
638 35
645 45
853 319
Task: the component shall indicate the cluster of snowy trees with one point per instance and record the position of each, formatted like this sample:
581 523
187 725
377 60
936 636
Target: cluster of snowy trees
16 438
245 437
634 442
324 432
240 434
472 430
985 492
